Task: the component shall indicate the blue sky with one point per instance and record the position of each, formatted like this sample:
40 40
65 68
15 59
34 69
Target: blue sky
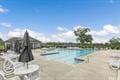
51 20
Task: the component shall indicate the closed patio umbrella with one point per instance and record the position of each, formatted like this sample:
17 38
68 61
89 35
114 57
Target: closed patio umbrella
17 47
26 54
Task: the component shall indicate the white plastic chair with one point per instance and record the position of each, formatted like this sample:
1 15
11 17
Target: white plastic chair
2 76
35 75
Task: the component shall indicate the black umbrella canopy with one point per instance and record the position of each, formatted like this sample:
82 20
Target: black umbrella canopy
17 47
26 54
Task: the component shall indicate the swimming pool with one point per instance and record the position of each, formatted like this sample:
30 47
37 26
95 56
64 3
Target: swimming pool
68 55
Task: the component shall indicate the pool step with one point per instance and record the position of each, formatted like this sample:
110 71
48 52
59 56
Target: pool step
49 53
79 59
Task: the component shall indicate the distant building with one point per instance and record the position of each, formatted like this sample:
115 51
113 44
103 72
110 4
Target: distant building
34 42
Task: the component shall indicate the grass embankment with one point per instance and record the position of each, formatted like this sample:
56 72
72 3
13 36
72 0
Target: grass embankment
2 48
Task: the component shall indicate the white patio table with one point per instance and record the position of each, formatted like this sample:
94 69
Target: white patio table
23 71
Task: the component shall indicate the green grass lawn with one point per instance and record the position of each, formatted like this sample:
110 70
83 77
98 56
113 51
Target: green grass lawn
2 47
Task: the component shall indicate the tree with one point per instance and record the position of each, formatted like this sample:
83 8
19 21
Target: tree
115 43
89 38
1 44
83 36
114 40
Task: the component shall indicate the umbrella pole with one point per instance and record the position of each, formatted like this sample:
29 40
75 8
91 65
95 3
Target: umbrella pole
27 65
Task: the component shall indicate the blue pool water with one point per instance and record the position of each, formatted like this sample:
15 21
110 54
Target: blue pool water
67 55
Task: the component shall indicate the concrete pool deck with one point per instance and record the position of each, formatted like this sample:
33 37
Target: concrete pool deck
96 69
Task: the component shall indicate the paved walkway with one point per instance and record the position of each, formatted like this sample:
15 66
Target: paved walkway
96 69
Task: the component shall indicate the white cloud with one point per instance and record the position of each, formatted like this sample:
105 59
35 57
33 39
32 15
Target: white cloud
7 25
99 33
100 39
61 28
101 36
111 29
107 30
20 33
3 10
105 34
16 33
67 36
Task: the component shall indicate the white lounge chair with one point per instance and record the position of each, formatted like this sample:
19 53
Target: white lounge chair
9 65
3 77
114 64
10 56
115 55
7 70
